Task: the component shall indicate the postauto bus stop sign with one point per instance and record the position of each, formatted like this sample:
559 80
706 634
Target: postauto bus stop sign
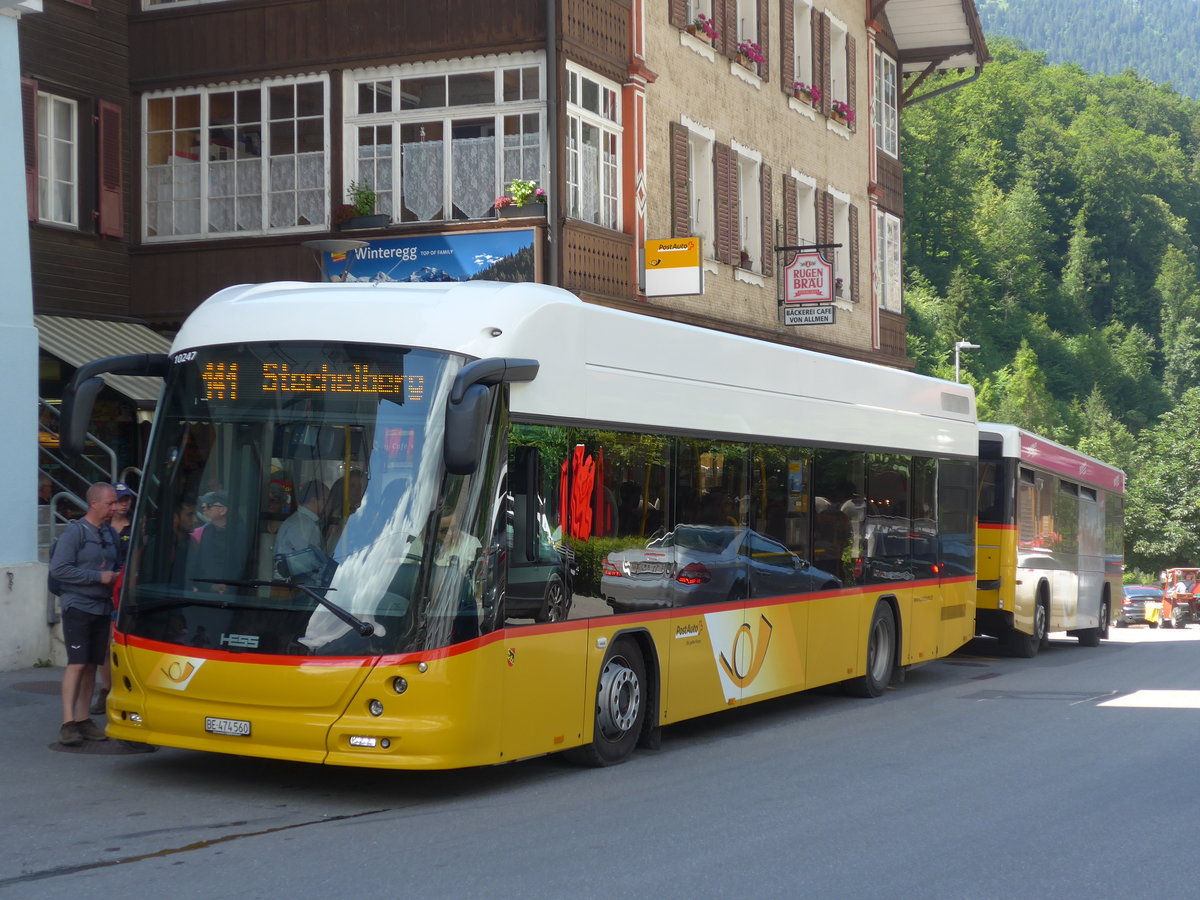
673 267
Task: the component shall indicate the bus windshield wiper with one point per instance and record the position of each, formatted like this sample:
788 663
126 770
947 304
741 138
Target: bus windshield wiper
364 629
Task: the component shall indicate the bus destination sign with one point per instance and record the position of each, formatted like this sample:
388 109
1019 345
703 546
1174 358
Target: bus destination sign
235 380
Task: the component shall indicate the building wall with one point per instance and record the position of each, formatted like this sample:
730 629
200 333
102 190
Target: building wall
790 136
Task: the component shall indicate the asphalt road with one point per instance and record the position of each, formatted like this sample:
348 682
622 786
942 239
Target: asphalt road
1063 776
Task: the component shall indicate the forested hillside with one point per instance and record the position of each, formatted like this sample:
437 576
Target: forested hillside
1053 218
1158 39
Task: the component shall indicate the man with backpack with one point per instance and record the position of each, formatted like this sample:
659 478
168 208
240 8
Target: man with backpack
83 566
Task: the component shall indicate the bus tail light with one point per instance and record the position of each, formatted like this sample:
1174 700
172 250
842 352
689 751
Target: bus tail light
694 573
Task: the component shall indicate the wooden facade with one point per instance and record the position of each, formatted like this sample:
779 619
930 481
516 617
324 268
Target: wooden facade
80 53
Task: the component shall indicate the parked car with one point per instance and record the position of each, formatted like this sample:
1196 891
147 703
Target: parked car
699 564
1133 605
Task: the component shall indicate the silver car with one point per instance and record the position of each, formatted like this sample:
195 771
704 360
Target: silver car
700 564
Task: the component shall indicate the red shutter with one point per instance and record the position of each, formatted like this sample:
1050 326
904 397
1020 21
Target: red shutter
29 89
851 80
791 212
680 186
112 182
854 253
728 30
825 221
767 209
787 45
677 13
764 11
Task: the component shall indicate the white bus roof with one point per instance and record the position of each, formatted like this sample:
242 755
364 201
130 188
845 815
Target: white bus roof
610 367
1017 443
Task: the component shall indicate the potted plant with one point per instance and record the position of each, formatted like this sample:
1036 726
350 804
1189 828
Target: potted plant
842 112
744 260
703 27
749 54
837 287
810 93
361 208
521 194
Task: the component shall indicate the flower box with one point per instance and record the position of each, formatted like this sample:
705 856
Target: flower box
355 223
530 210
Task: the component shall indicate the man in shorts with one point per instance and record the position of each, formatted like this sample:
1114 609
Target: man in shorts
85 563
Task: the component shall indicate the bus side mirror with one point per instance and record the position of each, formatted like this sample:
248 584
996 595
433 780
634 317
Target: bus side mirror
466 421
468 406
79 396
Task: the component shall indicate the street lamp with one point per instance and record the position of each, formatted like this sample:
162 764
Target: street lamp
959 346
320 248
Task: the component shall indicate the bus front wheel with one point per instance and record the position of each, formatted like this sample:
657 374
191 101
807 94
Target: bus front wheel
1027 645
621 702
881 654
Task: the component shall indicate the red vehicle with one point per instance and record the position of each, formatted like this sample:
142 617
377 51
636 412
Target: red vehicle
1180 604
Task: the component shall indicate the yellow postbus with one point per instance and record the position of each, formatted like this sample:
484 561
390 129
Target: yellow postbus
1050 540
436 526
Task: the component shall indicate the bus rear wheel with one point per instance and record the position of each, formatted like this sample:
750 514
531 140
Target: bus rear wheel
881 654
1025 645
621 702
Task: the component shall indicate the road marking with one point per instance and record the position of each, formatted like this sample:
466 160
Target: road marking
1157 700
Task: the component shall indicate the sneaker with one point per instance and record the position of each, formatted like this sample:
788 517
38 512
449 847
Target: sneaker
90 731
99 703
69 735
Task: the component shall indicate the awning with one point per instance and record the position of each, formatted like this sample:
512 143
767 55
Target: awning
935 34
78 341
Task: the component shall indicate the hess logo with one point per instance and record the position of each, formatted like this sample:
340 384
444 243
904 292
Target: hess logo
748 652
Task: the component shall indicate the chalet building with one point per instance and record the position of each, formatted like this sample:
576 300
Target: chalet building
175 147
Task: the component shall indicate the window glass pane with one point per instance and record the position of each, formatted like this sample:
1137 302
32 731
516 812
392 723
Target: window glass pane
591 96
423 93
472 88
530 87
310 99
283 102
283 138
956 516
473 162
512 85
310 135
422 171
839 512
888 527
374 97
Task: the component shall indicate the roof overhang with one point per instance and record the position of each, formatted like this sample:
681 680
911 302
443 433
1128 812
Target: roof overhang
79 341
934 35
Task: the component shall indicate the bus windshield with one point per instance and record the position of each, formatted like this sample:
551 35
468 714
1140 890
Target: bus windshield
295 502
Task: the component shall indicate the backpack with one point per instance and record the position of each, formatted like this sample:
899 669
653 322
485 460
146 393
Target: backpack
55 586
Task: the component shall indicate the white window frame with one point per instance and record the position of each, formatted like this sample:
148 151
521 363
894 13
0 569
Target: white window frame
702 194
392 122
886 105
696 8
802 62
888 275
605 208
838 89
58 161
204 176
747 21
806 209
749 212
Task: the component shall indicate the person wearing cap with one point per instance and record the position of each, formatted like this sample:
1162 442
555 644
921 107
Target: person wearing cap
219 556
122 520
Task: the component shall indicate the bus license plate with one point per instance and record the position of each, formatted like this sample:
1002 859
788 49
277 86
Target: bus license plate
235 727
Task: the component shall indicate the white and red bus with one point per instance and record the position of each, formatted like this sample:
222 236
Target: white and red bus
1051 540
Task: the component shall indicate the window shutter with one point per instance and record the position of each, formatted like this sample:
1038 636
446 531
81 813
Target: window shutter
726 213
853 253
677 13
727 29
29 89
787 45
112 181
791 213
851 80
764 40
680 188
821 57
768 218
825 221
